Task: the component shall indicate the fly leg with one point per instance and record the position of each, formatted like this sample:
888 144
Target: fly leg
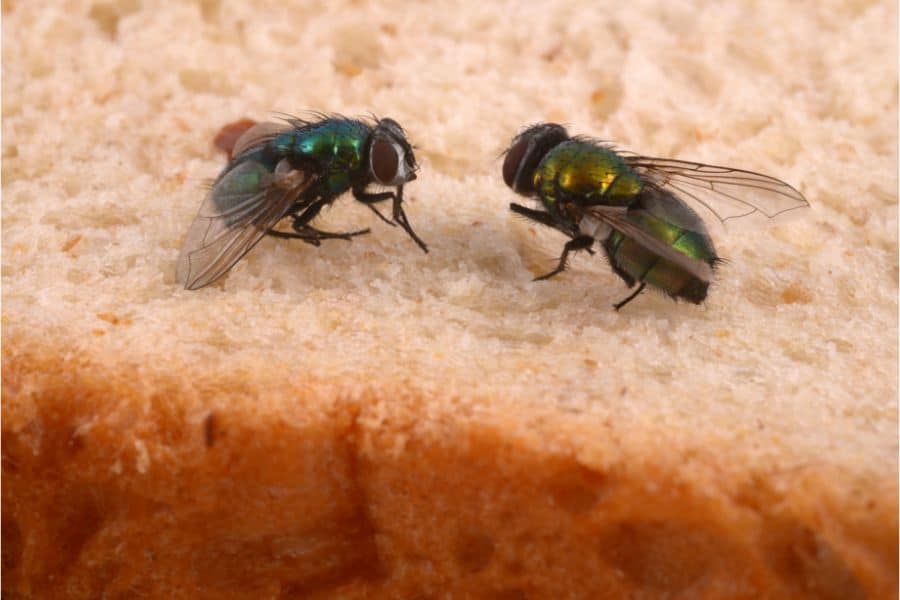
309 234
619 305
582 242
545 218
303 228
370 199
400 217
314 236
540 216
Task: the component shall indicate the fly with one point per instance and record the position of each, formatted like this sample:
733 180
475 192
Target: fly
293 170
636 207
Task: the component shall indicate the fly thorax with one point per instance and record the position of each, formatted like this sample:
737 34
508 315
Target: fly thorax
543 184
624 188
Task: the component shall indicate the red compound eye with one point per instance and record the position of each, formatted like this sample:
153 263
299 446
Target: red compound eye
384 161
513 160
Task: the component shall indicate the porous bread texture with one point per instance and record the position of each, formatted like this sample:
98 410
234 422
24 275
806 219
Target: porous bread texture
365 420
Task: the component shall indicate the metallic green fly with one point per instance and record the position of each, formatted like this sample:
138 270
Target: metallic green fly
636 206
294 169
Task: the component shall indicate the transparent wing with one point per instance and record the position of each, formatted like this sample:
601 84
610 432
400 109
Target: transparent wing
666 206
618 218
727 193
258 134
236 213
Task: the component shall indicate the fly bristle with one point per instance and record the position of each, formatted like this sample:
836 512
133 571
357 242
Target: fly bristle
586 139
694 291
310 118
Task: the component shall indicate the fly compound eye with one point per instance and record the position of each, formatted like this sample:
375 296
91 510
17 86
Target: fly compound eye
525 155
513 161
385 161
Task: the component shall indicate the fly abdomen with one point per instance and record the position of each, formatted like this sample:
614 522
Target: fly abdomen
635 263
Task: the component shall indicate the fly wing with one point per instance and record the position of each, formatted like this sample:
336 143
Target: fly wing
666 206
617 218
257 135
237 212
727 193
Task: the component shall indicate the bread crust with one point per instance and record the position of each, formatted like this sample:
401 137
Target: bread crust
364 420
129 481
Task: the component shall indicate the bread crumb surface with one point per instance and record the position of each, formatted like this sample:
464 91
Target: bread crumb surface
443 392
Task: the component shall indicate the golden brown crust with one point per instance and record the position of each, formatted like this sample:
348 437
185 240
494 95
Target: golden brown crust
365 420
120 483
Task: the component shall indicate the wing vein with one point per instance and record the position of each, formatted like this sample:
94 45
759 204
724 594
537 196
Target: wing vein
725 192
229 225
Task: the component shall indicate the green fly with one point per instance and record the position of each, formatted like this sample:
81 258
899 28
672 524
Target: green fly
293 170
635 206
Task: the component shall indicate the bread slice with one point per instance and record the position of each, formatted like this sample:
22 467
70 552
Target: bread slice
364 420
